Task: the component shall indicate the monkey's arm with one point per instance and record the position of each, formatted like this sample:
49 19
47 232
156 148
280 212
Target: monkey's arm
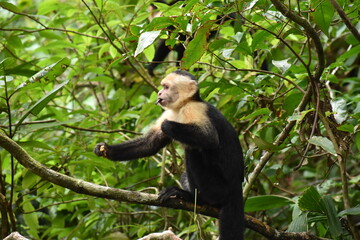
145 146
160 54
191 134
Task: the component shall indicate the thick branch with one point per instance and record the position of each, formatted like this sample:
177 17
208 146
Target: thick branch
88 188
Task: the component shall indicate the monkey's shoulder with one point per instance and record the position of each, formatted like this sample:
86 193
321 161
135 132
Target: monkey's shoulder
194 113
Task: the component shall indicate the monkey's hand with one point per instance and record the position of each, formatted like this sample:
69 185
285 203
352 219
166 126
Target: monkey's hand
101 149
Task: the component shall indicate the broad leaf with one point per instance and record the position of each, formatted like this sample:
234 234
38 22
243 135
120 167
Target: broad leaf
324 143
282 65
49 73
145 40
299 224
266 202
350 211
339 109
39 105
323 14
333 220
311 201
197 46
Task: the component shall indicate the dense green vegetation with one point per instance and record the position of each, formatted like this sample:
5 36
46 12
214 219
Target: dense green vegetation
73 73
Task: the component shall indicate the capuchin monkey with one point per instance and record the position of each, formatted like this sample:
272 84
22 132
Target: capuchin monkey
213 155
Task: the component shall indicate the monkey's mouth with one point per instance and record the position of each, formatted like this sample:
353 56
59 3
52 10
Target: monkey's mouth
159 101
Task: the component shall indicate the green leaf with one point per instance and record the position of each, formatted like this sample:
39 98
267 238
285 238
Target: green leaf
197 46
39 105
36 144
264 145
339 107
49 73
324 143
350 211
357 141
266 202
160 23
29 179
291 102
333 220
10 7
145 40
31 219
346 128
258 112
94 161
299 224
323 14
346 55
299 117
282 65
311 201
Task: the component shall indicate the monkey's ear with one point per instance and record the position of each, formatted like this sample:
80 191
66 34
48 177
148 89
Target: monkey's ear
192 87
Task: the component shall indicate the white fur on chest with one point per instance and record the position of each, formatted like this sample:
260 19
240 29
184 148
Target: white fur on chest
192 112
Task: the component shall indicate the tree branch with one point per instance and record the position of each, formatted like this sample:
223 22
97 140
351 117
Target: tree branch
88 188
280 139
310 31
345 19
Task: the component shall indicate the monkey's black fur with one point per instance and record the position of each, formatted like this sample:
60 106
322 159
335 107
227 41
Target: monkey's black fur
214 163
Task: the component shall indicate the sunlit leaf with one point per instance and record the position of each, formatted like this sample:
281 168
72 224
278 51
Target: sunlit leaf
250 5
339 109
145 40
282 65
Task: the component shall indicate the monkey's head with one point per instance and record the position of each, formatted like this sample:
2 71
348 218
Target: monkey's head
178 88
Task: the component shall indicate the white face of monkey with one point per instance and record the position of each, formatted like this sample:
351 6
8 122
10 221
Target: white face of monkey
176 90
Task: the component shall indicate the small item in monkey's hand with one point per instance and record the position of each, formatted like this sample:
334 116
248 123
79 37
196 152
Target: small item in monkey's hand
102 148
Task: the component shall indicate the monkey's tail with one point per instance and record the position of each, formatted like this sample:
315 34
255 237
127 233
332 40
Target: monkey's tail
232 222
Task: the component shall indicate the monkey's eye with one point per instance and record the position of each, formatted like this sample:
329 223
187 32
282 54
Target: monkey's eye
165 87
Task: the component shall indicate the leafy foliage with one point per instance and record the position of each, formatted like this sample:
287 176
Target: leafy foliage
72 75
